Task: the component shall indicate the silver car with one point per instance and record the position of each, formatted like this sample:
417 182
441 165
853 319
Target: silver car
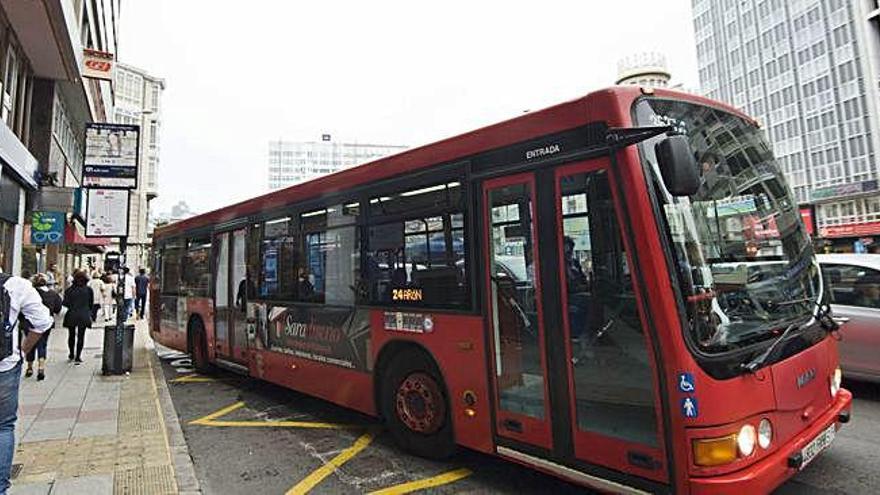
854 282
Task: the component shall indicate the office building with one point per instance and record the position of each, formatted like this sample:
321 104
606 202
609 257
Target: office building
47 97
808 70
138 102
294 162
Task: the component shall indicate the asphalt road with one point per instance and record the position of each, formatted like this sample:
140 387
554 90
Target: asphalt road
234 454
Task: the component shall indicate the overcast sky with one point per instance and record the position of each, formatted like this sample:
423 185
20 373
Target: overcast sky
239 74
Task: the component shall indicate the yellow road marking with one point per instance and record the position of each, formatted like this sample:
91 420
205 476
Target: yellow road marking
222 412
327 469
440 479
278 424
191 379
211 420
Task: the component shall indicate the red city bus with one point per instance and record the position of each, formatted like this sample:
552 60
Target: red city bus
617 290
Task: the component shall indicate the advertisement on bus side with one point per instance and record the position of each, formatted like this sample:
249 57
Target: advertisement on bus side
336 336
168 318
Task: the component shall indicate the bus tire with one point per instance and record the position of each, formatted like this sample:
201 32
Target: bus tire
198 345
415 406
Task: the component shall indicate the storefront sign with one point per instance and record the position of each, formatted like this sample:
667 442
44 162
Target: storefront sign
851 230
809 220
47 227
845 190
111 156
738 207
98 64
17 161
107 213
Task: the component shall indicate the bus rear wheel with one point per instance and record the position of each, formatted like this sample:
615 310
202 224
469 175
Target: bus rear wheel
415 406
199 347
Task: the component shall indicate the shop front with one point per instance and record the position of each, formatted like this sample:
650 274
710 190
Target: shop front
861 237
17 168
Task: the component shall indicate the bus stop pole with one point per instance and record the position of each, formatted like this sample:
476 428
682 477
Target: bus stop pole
121 310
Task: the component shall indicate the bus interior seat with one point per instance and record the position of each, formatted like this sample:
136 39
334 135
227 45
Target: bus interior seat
438 283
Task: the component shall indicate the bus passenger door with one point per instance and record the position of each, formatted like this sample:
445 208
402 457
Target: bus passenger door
613 391
574 376
221 295
230 295
513 279
238 294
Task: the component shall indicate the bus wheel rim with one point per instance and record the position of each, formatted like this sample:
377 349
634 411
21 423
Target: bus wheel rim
419 403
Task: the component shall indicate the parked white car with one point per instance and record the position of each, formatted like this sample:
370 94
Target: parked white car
854 284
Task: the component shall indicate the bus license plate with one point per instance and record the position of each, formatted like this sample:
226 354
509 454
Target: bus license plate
817 445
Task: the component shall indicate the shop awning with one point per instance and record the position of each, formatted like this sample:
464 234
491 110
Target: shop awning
78 242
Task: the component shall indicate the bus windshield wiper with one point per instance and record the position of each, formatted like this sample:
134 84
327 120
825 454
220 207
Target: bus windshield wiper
793 302
759 361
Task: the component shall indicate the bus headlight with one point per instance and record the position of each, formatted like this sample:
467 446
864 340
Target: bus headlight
714 451
765 433
835 381
746 439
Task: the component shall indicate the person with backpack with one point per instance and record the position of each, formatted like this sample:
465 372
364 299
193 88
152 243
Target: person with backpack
78 301
18 301
51 300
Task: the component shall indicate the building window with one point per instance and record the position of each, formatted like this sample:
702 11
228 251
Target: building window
155 98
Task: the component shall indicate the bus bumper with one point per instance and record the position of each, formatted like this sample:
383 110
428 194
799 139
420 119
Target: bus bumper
767 474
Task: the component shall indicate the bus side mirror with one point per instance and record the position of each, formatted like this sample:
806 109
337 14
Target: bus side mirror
678 166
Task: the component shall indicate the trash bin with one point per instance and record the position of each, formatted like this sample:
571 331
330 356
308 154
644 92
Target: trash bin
118 347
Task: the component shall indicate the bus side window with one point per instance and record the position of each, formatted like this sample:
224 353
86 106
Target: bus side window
172 256
252 272
330 270
279 255
195 268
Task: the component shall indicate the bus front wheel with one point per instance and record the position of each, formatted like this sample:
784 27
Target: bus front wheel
199 347
415 406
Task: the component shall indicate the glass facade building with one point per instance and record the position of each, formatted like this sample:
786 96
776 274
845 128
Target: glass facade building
807 70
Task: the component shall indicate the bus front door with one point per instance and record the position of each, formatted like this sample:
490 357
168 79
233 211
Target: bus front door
573 375
230 296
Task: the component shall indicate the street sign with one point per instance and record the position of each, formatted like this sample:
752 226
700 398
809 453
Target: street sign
107 213
47 227
111 156
98 64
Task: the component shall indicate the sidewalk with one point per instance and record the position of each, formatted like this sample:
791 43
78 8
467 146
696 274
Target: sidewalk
81 432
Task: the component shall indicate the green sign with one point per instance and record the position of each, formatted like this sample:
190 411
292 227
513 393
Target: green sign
47 227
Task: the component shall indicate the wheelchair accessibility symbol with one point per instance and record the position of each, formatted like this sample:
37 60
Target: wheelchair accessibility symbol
686 383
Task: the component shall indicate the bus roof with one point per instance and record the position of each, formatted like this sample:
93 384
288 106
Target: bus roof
609 105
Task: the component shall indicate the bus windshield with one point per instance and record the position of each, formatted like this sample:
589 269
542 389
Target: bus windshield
744 260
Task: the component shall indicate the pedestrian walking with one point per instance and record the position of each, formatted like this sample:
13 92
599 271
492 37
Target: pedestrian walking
78 300
142 283
18 300
107 294
51 300
128 287
52 277
96 285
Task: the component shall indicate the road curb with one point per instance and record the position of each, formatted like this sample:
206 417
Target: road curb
184 470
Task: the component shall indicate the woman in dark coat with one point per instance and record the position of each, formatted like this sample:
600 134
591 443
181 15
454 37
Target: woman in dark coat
51 300
78 300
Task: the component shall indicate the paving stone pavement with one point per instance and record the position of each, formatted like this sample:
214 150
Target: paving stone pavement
81 432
